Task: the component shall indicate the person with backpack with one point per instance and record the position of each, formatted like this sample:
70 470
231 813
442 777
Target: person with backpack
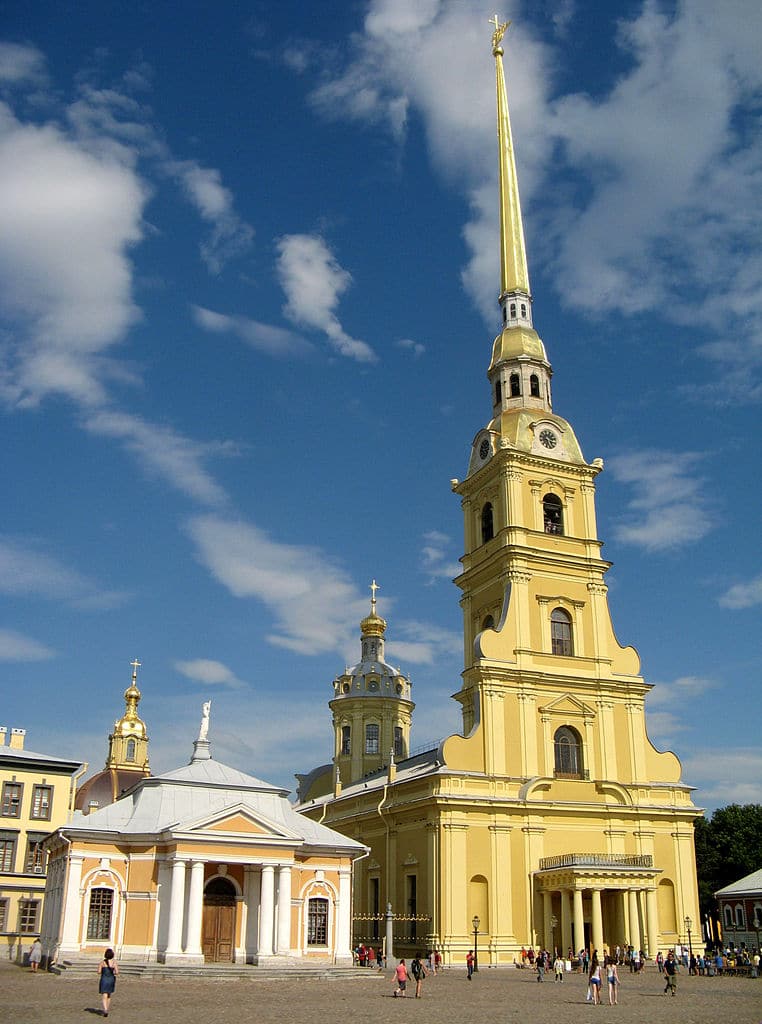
419 973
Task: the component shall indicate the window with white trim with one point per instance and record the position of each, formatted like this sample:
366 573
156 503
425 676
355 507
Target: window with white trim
29 911
561 639
317 921
99 913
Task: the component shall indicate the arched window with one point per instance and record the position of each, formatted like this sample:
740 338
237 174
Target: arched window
757 919
130 755
371 738
515 385
498 392
523 309
534 386
317 922
489 623
739 916
561 633
568 753
99 914
552 514
346 739
728 916
488 526
513 311
399 749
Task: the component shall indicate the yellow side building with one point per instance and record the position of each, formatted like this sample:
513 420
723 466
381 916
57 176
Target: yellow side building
36 796
551 820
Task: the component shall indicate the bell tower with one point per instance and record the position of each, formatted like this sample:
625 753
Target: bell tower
535 612
128 743
372 707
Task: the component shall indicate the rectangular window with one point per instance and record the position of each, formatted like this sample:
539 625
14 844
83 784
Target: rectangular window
317 922
99 915
11 802
35 858
412 904
3 915
28 913
42 802
398 748
371 739
7 854
346 739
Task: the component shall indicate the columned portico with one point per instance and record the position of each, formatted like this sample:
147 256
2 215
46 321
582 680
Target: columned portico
614 901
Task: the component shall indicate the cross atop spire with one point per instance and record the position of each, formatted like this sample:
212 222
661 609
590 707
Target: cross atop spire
135 666
373 588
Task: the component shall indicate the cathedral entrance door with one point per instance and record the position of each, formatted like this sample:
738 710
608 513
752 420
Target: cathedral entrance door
219 921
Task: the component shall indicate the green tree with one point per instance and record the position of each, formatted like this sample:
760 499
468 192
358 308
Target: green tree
728 847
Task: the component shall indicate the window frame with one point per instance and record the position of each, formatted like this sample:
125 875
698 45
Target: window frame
35 811
561 634
27 925
35 857
398 742
567 743
95 931
317 921
346 740
370 741
487 522
8 846
7 799
5 905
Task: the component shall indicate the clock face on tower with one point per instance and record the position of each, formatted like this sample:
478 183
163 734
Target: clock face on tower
548 439
484 449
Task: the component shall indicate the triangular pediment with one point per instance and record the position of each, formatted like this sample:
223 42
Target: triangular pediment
238 820
567 705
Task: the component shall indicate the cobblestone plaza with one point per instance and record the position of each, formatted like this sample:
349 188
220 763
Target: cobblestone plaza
493 996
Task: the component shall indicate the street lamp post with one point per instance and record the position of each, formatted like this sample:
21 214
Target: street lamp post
475 923
688 926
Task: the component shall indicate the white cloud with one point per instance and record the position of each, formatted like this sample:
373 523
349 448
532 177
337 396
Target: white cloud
28 571
21 63
415 347
67 221
313 281
17 647
435 557
724 776
423 643
209 672
743 595
230 235
669 508
165 453
316 608
273 341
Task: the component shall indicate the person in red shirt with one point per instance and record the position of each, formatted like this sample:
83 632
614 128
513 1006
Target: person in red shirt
401 977
470 964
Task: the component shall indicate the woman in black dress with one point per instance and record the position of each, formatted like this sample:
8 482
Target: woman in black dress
107 972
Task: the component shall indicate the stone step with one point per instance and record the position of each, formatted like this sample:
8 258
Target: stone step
78 969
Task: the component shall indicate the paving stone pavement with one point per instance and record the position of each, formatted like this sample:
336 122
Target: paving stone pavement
493 997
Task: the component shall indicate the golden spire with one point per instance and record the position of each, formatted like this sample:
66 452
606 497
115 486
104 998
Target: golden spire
373 624
514 275
128 743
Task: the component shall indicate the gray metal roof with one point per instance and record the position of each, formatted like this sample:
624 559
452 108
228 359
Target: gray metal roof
749 885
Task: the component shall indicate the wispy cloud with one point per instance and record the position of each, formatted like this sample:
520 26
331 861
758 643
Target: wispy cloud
208 672
436 557
423 643
20 62
724 776
273 341
669 507
15 646
414 347
315 606
165 453
313 281
743 595
27 570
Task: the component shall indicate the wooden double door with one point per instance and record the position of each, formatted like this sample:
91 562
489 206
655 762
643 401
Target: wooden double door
218 930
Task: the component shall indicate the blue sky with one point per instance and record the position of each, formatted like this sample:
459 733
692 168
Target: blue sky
248 281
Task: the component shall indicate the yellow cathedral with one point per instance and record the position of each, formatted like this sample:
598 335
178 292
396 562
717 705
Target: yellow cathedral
551 820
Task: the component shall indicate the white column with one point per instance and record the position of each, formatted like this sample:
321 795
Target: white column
342 949
635 939
73 910
176 909
566 932
195 910
579 922
266 907
284 910
251 901
597 923
546 916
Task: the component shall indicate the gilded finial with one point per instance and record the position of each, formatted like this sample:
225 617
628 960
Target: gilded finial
497 35
135 666
373 588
